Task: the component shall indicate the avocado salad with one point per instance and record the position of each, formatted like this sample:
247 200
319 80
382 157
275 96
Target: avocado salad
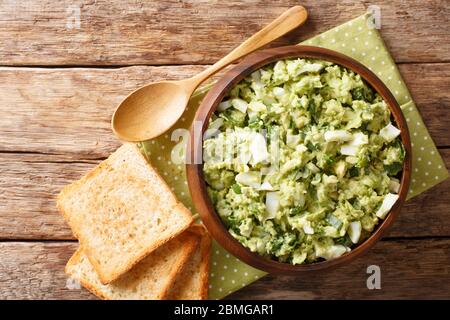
302 160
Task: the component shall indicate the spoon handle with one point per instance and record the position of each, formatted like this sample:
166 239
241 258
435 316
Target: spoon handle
286 22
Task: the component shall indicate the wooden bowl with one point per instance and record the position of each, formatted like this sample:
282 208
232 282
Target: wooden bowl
197 185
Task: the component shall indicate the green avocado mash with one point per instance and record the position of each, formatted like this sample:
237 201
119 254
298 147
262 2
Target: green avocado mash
301 160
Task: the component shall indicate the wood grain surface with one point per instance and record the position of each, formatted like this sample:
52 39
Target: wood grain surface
58 111
60 85
410 269
197 32
35 270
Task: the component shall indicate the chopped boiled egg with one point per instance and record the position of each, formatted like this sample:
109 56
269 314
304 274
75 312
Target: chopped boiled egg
389 132
388 202
292 140
307 228
258 149
224 105
337 135
354 231
266 186
278 91
251 179
359 139
213 128
239 104
331 252
272 204
351 148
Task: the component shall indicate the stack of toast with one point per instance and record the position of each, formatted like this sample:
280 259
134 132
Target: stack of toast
137 241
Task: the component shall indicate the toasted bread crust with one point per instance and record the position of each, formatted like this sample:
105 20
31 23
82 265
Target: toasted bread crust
190 243
205 247
109 276
72 262
196 287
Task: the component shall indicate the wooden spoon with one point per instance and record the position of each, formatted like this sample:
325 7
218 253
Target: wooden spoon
151 110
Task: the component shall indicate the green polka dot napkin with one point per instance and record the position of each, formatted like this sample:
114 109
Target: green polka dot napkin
357 39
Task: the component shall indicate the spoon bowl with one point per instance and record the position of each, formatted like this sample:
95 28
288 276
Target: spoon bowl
150 110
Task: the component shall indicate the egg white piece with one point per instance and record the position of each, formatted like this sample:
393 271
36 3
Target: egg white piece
389 132
272 204
388 202
239 104
251 179
337 135
354 231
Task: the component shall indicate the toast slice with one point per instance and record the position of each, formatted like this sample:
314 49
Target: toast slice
192 282
150 279
121 211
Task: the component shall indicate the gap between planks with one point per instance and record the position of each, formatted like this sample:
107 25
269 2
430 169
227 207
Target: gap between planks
384 239
118 66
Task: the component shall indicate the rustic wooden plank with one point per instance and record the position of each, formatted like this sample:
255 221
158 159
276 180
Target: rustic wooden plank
28 187
67 111
29 184
428 214
409 269
195 32
36 271
427 85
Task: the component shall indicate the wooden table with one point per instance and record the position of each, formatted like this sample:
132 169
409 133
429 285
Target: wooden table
59 85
